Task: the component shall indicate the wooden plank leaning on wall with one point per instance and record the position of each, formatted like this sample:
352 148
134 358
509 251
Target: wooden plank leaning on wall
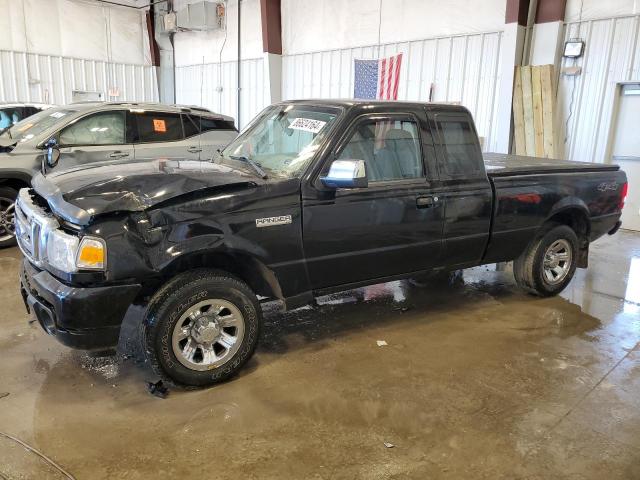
518 116
538 127
548 110
533 111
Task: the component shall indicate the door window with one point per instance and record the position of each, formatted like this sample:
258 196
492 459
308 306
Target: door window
191 125
215 124
103 128
155 127
460 145
390 149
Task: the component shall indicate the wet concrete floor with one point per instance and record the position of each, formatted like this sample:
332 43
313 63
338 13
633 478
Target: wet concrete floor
477 380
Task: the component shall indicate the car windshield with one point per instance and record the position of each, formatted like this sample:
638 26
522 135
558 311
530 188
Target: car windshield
38 123
282 140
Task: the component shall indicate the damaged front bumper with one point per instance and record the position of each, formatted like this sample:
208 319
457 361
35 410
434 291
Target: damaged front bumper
83 318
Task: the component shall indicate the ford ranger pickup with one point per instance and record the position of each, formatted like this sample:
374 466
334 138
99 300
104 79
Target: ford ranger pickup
313 197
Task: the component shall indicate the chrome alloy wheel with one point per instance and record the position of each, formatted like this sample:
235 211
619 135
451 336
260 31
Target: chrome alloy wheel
7 212
208 334
557 261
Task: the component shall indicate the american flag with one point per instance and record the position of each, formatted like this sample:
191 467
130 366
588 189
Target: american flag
377 78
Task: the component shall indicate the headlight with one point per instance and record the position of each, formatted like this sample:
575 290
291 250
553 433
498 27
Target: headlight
61 251
69 254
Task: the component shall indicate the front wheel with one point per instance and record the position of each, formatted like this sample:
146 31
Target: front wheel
7 211
548 264
201 328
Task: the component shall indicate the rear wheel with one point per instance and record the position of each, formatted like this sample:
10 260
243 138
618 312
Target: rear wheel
548 264
201 328
7 211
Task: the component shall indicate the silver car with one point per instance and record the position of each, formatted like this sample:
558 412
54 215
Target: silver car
102 132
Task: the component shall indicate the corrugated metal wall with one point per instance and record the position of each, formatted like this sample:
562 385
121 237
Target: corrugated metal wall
45 78
612 55
198 85
462 68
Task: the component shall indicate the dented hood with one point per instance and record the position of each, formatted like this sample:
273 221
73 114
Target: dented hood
80 194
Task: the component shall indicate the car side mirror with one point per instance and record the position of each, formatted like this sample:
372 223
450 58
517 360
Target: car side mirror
53 152
346 174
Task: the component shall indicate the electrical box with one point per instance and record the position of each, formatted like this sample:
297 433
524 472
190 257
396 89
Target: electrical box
201 16
170 24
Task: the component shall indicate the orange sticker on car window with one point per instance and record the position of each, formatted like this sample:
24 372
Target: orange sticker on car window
159 125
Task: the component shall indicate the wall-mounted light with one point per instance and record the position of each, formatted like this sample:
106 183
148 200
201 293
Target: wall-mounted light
573 48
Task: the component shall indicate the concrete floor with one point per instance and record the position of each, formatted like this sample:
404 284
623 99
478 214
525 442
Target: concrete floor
477 381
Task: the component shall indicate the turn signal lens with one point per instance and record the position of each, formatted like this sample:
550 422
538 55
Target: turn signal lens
92 254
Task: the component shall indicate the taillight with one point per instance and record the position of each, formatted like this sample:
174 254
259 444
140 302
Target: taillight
623 194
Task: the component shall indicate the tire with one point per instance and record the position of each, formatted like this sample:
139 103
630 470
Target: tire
8 197
188 359
548 278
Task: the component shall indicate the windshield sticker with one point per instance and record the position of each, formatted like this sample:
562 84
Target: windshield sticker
307 124
57 114
159 125
24 127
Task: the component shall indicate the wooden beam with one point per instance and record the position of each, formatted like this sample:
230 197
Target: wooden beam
548 110
518 115
154 50
527 108
517 11
538 126
550 10
271 26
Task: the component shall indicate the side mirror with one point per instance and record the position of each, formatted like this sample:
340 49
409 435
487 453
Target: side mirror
53 152
346 174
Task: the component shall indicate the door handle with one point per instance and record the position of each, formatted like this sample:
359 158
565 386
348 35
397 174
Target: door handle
194 150
427 201
118 154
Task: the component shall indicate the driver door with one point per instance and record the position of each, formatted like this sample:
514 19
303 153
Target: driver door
391 227
96 137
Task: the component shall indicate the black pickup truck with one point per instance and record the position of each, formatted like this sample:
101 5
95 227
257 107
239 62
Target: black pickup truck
313 197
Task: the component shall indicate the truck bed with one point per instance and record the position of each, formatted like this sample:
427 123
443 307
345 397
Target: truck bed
501 164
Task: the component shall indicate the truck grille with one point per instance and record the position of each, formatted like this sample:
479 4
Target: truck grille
33 224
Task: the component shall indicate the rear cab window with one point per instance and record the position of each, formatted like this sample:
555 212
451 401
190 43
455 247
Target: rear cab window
460 148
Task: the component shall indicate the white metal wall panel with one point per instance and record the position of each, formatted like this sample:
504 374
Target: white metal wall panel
587 101
463 68
30 77
199 85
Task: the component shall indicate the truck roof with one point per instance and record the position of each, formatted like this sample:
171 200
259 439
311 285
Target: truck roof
347 103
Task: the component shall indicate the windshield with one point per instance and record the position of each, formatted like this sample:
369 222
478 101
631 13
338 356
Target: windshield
282 140
38 123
